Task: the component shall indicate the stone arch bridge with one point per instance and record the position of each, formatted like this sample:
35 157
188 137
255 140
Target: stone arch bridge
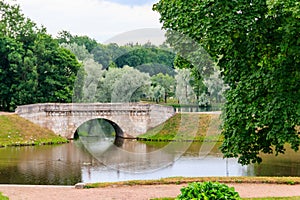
128 119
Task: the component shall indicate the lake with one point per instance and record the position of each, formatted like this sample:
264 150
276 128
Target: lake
102 159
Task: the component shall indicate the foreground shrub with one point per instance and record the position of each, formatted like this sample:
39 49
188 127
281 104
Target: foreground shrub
207 191
3 197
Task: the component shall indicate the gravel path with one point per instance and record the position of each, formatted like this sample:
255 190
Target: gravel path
7 113
17 192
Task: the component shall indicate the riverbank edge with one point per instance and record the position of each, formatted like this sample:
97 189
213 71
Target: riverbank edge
185 180
186 127
17 135
176 181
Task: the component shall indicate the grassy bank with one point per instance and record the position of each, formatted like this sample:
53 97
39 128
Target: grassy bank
186 126
184 180
17 131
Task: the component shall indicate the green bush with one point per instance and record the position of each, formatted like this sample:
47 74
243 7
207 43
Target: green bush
3 197
207 191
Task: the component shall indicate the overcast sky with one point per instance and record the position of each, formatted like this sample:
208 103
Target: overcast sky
98 19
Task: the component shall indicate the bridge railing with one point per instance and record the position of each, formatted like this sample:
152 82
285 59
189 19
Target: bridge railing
82 107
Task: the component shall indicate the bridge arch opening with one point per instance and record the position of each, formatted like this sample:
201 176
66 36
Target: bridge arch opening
99 127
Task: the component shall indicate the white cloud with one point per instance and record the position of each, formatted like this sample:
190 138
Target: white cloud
98 19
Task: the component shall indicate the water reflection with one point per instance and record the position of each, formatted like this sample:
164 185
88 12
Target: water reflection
95 159
132 156
192 163
98 138
42 164
287 164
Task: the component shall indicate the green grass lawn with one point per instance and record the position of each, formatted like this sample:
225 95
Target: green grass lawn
17 131
187 126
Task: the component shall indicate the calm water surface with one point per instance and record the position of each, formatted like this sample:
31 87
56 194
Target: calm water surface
97 159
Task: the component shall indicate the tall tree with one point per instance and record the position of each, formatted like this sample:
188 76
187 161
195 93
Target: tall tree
184 91
145 55
80 52
57 70
156 93
154 68
66 37
257 46
166 82
33 67
91 79
11 73
123 85
17 70
102 55
215 87
196 76
106 55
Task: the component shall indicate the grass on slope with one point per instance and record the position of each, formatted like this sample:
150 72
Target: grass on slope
17 131
186 126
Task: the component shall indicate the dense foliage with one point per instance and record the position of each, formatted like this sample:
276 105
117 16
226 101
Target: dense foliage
256 44
37 68
147 57
92 81
33 66
141 56
2 197
67 38
208 190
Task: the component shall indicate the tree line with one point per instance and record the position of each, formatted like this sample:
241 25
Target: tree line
146 72
36 68
33 66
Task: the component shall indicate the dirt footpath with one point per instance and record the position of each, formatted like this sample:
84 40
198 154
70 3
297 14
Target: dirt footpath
16 192
7 113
